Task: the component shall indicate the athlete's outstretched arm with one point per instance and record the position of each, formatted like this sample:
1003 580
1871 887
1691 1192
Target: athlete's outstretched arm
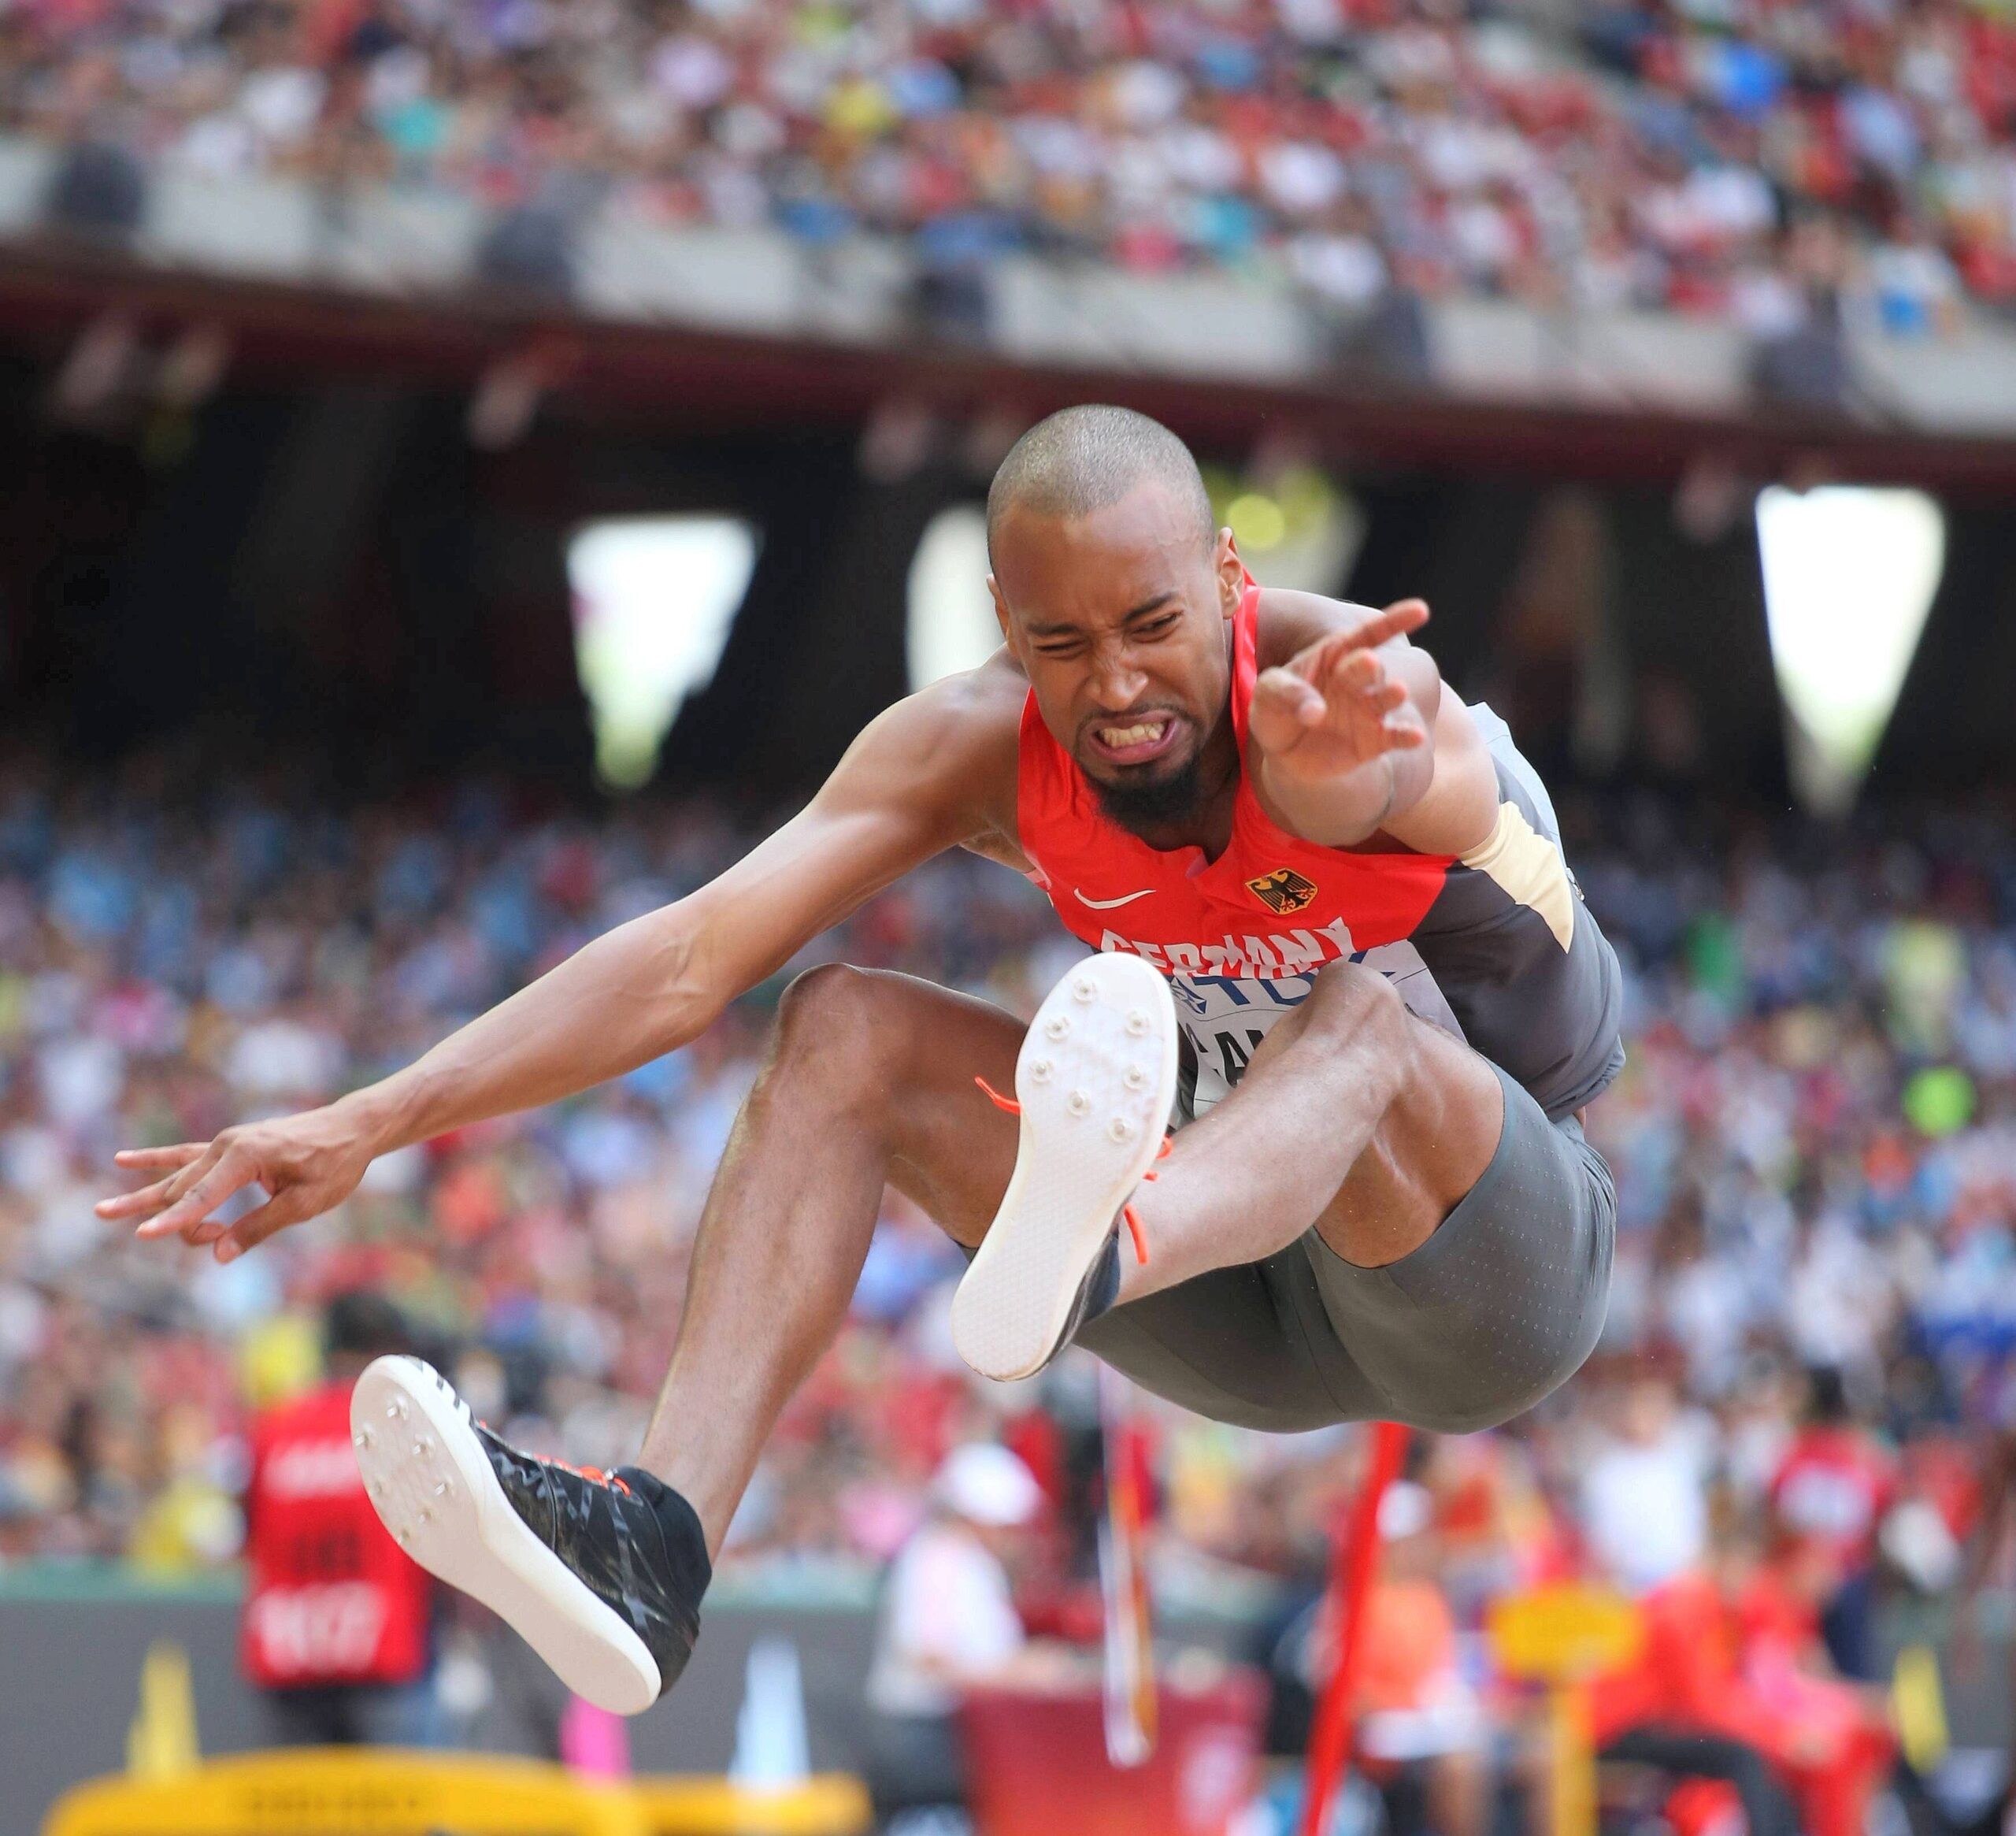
1352 735
914 784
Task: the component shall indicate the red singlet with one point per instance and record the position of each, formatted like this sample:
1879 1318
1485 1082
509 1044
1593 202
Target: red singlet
1495 946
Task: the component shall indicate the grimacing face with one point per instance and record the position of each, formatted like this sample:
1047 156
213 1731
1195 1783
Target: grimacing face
1118 619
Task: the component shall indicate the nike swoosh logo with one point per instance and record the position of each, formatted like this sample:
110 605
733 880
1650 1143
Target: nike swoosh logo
1108 904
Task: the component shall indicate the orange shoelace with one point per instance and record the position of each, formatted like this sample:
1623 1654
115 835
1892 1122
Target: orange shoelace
1011 1107
595 1475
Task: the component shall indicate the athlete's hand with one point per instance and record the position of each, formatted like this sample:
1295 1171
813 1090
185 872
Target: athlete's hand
305 1164
1336 706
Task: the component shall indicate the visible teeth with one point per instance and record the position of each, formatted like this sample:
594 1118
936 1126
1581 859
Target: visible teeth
1119 736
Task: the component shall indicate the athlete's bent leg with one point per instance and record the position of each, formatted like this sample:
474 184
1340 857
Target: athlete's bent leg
869 1081
604 1574
1354 1120
1355 1116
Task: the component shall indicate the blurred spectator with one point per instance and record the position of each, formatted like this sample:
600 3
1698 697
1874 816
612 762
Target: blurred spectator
1644 1504
1829 1497
1682 1709
1420 1721
1597 154
1815 1143
336 1632
947 1621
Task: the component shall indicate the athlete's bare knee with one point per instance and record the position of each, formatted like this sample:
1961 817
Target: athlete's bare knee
829 1000
1357 1009
832 1029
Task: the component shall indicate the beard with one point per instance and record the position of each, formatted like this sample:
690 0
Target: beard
1148 803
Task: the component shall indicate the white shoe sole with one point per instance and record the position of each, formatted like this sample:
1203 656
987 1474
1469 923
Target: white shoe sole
1095 1078
430 1481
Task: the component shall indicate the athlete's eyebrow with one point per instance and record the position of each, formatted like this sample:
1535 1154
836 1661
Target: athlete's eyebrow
1067 630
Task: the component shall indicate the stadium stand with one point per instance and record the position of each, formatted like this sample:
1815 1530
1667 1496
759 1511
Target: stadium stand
1750 161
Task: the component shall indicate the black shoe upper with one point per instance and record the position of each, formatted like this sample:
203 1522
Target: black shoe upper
633 1541
1096 1293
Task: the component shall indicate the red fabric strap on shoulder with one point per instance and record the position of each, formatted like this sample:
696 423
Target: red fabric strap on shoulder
1245 655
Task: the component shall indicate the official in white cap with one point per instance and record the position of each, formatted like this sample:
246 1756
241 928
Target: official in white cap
947 1622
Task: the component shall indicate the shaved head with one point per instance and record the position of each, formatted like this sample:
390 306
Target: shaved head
1082 459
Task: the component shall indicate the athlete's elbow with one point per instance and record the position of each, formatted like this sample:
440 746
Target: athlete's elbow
667 989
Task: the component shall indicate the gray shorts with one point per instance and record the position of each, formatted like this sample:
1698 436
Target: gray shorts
1500 1306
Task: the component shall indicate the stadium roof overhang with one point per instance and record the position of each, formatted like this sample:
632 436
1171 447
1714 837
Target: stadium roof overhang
621 373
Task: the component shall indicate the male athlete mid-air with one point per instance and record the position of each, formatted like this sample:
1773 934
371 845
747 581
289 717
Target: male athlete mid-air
1338 950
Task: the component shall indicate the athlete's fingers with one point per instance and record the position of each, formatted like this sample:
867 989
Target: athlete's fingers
136 1203
231 1171
261 1222
1362 675
152 1196
168 1192
1403 618
1357 670
1286 693
1399 619
147 1159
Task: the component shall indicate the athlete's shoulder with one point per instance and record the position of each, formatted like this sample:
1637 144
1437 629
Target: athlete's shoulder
955 742
969 711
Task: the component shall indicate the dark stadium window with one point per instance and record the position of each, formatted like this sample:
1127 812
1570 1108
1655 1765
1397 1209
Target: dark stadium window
1849 575
950 625
654 600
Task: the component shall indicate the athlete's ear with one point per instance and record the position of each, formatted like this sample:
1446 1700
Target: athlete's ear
1000 611
1233 577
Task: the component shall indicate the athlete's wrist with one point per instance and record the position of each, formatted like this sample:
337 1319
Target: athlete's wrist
1335 812
382 1117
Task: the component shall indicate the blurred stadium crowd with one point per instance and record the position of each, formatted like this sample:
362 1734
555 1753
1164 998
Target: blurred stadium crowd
1815 1141
1766 161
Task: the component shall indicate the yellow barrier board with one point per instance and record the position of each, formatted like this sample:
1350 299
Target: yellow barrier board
346 1791
833 1804
1564 1635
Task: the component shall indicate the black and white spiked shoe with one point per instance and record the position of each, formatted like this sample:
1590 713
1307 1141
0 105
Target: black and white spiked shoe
601 1573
